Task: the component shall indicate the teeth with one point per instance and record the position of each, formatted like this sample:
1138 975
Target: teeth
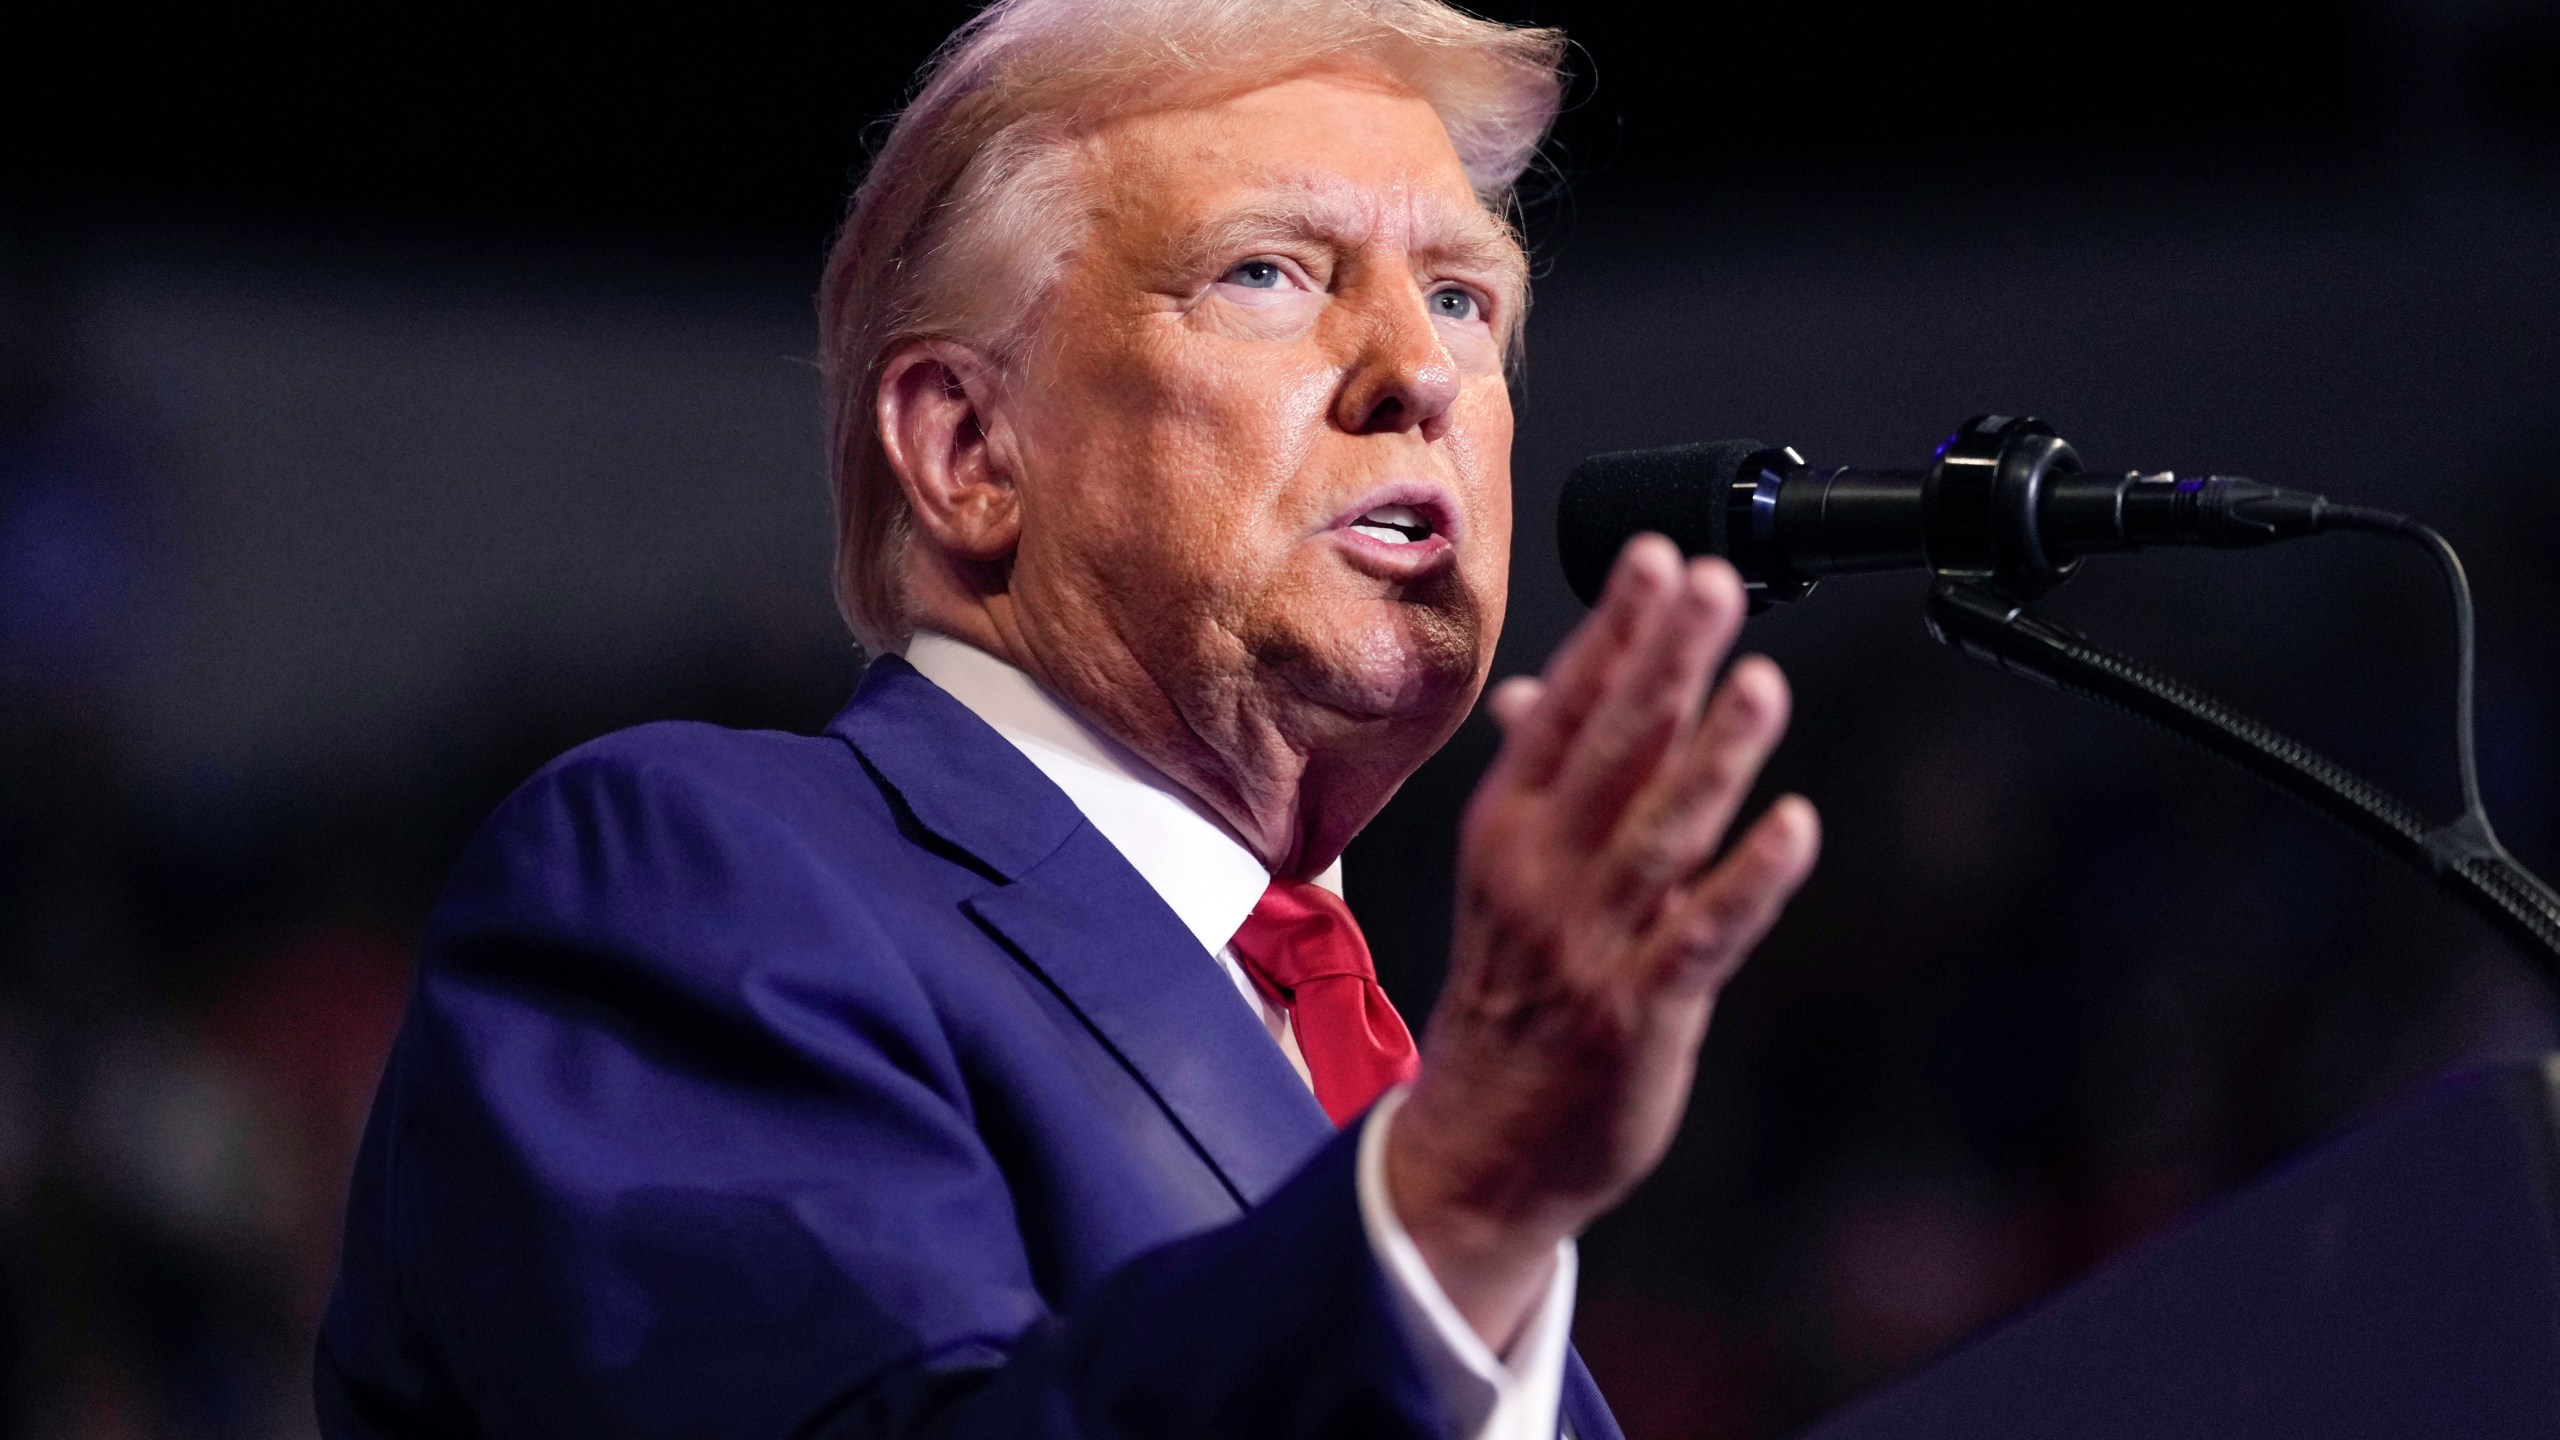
1394 525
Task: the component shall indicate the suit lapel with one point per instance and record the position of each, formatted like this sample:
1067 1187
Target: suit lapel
1086 921
1076 912
1582 1409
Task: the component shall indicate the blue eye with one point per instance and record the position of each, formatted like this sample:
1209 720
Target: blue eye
1453 304
1256 275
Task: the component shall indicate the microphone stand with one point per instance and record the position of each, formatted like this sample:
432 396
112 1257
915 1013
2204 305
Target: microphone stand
2463 857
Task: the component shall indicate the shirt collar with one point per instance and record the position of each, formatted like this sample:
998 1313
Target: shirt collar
1185 853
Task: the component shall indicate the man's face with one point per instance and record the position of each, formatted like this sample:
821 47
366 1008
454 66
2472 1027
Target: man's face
1265 444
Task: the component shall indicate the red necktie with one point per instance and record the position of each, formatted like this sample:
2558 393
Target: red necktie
1302 947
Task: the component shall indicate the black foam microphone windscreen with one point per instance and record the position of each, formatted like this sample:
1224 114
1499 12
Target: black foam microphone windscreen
1610 499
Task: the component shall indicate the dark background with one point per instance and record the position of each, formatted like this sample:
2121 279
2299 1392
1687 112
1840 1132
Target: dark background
387 403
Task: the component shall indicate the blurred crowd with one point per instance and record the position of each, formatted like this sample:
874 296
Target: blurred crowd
201 973
199 980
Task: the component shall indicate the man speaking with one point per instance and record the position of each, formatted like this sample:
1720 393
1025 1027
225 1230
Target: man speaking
999 1062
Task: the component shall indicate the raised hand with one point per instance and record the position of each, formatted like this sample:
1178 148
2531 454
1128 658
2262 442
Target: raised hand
1592 934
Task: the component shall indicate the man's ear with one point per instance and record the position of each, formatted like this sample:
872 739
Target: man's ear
932 409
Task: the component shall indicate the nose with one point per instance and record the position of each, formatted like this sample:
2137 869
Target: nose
1401 377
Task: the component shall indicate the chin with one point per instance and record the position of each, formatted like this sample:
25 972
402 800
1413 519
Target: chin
1412 663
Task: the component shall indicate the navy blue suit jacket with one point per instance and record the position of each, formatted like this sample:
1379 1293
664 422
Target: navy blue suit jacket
774 1085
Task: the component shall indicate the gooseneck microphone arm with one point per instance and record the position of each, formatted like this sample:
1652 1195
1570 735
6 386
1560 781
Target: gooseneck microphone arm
2002 515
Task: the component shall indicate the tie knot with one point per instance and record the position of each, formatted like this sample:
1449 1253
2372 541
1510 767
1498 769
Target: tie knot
1300 932
1304 950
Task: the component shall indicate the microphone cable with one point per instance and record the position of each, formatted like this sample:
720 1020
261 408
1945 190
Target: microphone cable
2470 833
2464 854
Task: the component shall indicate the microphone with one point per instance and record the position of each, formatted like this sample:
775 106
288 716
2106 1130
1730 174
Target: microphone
2004 502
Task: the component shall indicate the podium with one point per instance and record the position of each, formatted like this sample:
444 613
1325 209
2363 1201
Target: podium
2402 1280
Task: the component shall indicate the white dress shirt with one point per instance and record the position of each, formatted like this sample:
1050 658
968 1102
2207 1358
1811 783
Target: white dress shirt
1211 882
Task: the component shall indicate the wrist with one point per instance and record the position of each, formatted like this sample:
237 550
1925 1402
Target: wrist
1489 1244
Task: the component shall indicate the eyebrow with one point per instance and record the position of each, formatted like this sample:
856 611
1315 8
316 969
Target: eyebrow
1468 236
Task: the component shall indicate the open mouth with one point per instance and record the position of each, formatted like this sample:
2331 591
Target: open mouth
1394 525
1412 517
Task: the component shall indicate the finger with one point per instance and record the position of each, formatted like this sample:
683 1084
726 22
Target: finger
1512 700
1706 934
1650 702
1681 817
1646 573
1651 699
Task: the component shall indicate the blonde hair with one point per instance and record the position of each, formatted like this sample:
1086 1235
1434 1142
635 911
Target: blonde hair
972 206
